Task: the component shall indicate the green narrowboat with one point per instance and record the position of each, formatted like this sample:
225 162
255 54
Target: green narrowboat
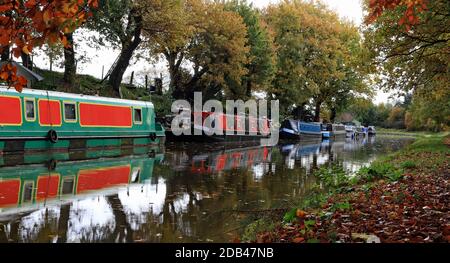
37 120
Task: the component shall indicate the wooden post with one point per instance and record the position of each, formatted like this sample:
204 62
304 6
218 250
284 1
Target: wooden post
158 86
146 81
103 71
131 78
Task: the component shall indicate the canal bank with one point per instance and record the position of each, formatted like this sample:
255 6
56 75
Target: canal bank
402 197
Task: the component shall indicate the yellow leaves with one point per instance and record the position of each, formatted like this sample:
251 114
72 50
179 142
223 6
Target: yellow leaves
46 16
66 7
25 49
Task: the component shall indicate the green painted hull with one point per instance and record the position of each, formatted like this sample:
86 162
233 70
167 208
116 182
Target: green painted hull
36 152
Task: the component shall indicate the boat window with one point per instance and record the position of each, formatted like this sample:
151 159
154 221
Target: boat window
68 186
70 113
135 175
27 192
138 116
30 109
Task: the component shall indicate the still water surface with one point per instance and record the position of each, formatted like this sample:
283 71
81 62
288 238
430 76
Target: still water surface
186 193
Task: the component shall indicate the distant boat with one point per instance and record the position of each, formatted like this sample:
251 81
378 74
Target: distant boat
361 131
350 131
339 130
372 130
293 129
310 129
333 130
327 131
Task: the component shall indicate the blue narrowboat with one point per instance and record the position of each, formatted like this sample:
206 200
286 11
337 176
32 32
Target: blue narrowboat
293 129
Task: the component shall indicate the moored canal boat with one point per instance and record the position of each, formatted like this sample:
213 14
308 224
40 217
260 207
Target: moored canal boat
327 130
38 120
289 130
361 131
333 131
350 131
240 130
372 131
310 129
298 130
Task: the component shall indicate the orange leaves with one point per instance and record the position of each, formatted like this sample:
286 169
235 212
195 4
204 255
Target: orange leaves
36 22
8 74
300 213
298 240
410 17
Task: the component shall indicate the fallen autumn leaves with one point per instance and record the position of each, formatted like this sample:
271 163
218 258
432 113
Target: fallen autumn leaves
414 209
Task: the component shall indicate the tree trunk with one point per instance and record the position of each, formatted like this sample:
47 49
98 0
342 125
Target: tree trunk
317 111
63 223
70 69
248 91
26 61
5 54
128 47
333 115
174 66
123 231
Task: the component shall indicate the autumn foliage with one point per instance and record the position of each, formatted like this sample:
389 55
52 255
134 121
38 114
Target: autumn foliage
410 17
27 24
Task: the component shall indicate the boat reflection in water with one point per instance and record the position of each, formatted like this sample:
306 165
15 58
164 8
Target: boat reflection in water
29 188
342 151
102 151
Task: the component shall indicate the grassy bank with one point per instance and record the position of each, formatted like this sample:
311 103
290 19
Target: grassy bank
397 132
85 84
403 197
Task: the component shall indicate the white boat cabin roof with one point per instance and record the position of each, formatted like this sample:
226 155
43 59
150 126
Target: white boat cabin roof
72 96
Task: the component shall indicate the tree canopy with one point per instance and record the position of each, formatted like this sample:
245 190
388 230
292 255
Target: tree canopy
316 55
211 49
413 59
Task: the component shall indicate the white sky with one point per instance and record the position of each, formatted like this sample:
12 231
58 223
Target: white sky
348 9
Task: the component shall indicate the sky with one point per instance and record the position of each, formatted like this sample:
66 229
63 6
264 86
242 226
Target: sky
104 58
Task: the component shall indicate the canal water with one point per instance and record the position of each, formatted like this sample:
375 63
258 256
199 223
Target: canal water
182 193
